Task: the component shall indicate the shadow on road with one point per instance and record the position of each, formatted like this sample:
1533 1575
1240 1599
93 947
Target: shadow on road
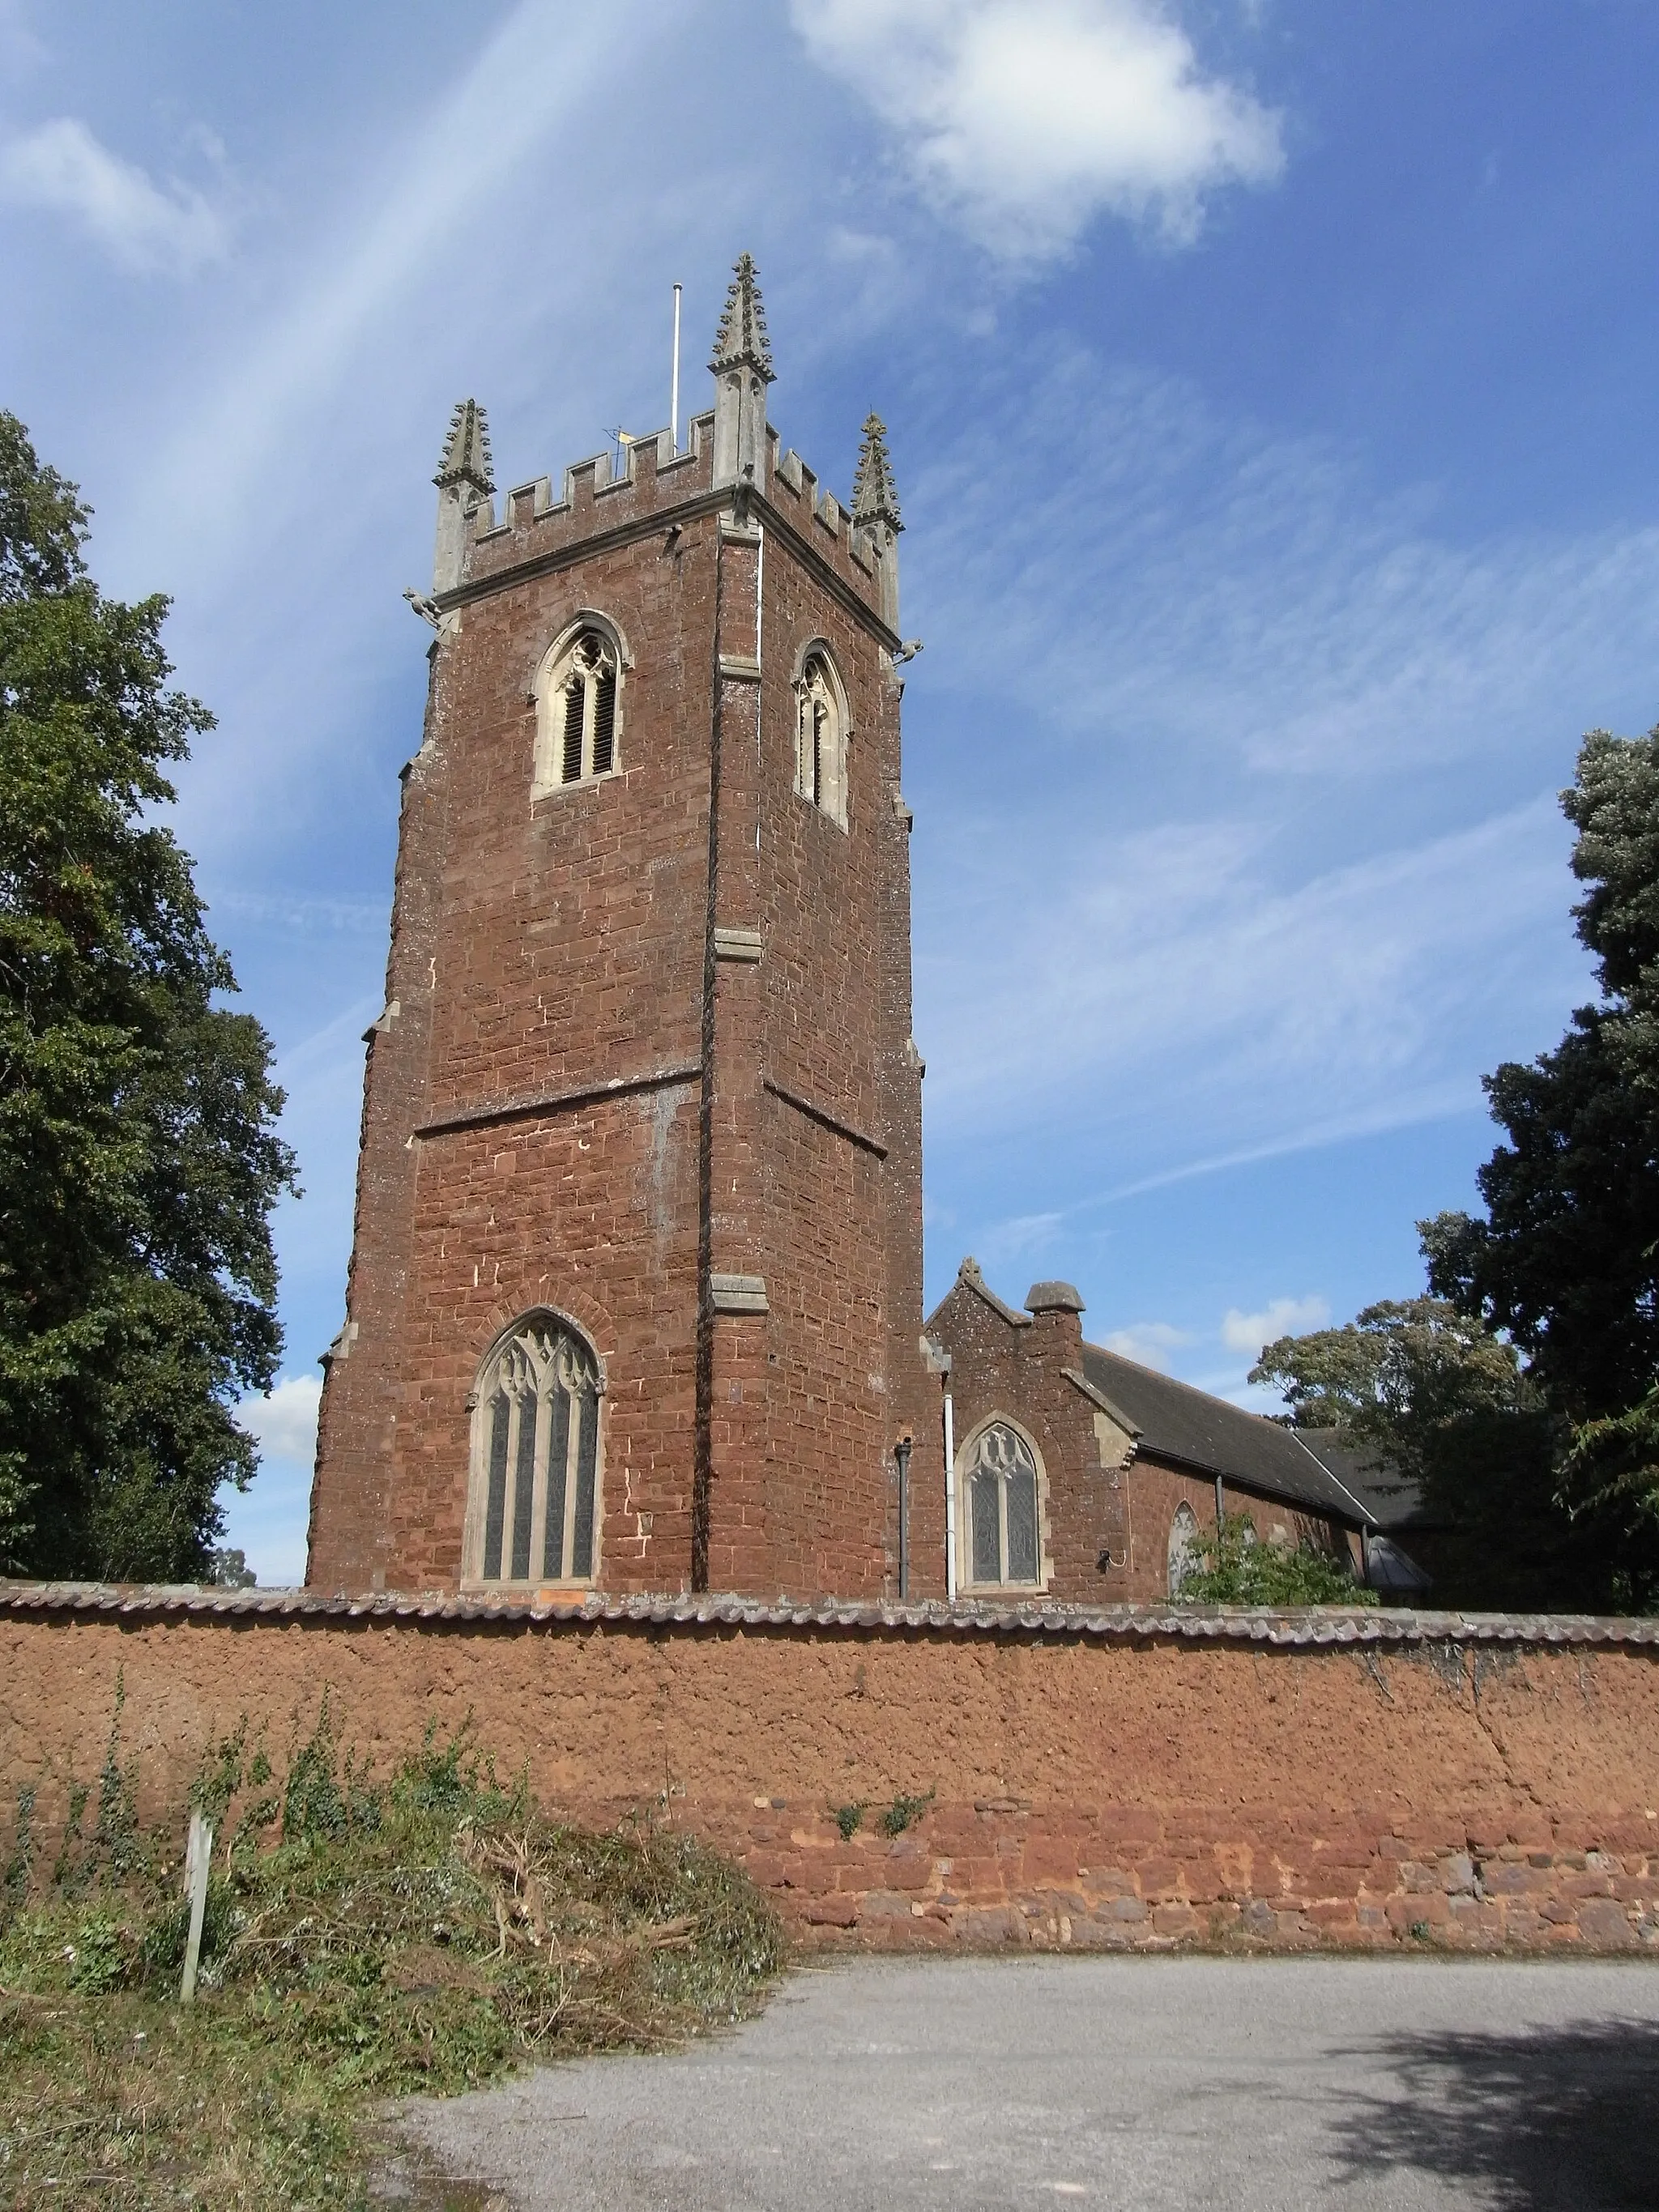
1550 2120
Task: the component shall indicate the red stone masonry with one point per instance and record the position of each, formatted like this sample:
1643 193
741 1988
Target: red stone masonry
1108 1778
574 1100
1107 1506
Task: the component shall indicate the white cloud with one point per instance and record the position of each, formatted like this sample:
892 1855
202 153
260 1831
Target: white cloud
1026 118
286 1422
1247 1333
144 226
1154 1343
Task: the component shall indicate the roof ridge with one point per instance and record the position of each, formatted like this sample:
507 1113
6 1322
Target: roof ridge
1290 1430
1193 1389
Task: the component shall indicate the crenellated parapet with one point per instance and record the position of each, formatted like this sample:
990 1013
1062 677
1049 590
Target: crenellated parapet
731 463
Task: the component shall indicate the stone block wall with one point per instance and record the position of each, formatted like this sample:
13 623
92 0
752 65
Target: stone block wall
1124 1778
580 1097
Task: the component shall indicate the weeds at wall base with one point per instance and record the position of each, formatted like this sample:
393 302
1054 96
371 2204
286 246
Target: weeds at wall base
365 1937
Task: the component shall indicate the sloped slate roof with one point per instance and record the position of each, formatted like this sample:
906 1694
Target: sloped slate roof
1301 1625
1194 1429
1396 1501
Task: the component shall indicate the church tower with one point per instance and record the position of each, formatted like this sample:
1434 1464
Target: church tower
635 1301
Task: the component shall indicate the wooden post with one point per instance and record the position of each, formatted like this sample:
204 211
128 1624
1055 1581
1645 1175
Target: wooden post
198 1857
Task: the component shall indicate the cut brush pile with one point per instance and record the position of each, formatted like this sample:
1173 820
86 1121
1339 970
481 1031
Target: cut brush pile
363 1938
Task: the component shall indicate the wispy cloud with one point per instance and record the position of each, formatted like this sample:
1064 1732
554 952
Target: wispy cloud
61 167
1019 1238
543 67
1188 580
299 916
1154 1343
1247 1333
1162 980
1025 118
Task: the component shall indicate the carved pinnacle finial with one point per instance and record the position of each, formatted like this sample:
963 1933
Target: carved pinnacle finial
741 341
874 499
466 452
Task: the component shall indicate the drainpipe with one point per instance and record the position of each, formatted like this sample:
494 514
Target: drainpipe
901 1453
950 1496
1221 1515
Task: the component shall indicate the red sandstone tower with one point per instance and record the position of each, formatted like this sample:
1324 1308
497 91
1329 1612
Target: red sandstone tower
636 1291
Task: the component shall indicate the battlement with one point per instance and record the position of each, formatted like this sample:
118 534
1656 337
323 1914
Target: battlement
731 460
648 486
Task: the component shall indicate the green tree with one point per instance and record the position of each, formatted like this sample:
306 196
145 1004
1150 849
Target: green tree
1440 1397
139 1158
1231 1568
1565 1262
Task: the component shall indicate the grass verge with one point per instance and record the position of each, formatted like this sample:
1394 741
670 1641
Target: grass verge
426 1932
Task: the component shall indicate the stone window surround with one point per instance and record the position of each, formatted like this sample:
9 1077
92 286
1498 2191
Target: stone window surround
472 1576
965 1450
832 803
551 671
1180 1556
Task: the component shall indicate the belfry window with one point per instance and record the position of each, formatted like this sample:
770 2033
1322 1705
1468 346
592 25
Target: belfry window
1002 1535
534 1507
576 739
821 738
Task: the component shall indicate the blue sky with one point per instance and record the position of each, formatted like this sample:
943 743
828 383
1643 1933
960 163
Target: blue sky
1269 392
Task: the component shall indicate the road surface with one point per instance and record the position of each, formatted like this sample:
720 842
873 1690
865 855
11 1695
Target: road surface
1257 2084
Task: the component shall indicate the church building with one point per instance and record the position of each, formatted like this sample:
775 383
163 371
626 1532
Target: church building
635 1295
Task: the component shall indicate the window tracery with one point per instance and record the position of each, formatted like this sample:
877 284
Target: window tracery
821 738
578 702
1003 1531
536 1457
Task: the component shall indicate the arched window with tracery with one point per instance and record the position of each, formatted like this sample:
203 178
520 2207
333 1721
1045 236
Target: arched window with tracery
533 1516
1184 1547
821 737
577 703
1001 1489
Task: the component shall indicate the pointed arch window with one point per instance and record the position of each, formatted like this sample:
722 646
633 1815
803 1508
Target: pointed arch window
821 737
1001 1484
533 1513
1184 1547
578 721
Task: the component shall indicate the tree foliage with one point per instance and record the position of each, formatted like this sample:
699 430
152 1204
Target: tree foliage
1437 1397
138 1158
1394 1376
1566 1260
1230 1567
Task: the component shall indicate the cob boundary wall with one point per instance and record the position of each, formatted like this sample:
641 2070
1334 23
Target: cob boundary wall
1129 1777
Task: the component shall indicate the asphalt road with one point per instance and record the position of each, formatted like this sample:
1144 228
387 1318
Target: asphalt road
1140 2084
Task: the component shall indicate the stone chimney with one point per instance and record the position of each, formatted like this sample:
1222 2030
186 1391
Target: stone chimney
1057 1310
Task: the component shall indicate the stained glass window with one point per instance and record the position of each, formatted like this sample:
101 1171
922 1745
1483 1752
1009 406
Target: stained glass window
1004 1536
538 1427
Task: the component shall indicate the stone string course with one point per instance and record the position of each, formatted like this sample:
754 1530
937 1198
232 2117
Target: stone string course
1114 1778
